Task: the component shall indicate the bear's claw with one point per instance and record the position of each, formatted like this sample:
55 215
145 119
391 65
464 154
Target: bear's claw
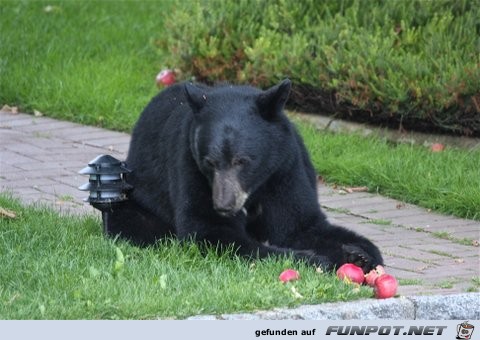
359 257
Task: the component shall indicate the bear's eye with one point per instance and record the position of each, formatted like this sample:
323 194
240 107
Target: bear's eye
239 161
209 163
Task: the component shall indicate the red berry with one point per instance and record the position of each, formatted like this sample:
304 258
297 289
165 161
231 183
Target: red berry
350 272
385 286
372 275
289 275
165 77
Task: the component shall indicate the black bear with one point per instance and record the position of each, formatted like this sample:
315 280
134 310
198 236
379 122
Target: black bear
224 165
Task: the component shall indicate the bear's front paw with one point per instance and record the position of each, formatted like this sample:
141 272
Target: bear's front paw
359 257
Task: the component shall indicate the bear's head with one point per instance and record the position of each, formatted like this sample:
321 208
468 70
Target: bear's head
239 137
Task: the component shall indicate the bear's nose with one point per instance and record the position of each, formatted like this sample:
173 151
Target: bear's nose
223 194
225 212
224 205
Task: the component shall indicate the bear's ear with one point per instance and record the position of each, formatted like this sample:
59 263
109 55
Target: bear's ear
196 97
272 101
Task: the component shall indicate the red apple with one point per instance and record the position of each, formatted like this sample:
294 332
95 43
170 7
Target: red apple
385 286
350 272
289 275
165 78
437 147
372 275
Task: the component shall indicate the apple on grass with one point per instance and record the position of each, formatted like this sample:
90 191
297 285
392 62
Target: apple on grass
350 272
289 275
372 275
384 285
437 147
165 78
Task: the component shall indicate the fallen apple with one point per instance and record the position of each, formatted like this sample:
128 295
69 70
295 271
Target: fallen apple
165 78
385 286
437 147
372 275
350 272
289 275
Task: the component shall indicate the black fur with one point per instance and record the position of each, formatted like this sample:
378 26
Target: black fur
196 152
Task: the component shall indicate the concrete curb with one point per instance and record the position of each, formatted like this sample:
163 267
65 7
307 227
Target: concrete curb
438 307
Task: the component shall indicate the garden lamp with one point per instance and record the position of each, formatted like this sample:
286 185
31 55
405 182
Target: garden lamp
107 184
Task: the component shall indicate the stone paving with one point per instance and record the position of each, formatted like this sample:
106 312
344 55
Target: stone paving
430 253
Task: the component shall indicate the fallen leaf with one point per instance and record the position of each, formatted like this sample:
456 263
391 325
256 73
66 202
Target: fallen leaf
14 297
94 272
163 281
37 113
10 109
42 309
400 205
295 293
119 261
5 213
421 268
356 289
52 9
355 189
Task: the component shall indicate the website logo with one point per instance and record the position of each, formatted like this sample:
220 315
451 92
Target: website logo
464 330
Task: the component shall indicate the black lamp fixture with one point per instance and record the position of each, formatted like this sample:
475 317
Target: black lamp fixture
107 184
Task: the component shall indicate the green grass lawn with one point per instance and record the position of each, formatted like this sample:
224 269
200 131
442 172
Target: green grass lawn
55 267
447 181
91 62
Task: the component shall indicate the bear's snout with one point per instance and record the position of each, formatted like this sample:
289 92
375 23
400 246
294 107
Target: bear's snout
227 194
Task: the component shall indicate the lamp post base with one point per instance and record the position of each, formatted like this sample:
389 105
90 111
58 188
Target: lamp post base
129 221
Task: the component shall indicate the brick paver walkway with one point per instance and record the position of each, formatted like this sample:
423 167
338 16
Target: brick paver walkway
430 253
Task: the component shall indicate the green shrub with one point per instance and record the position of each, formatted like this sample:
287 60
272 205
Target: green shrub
412 63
